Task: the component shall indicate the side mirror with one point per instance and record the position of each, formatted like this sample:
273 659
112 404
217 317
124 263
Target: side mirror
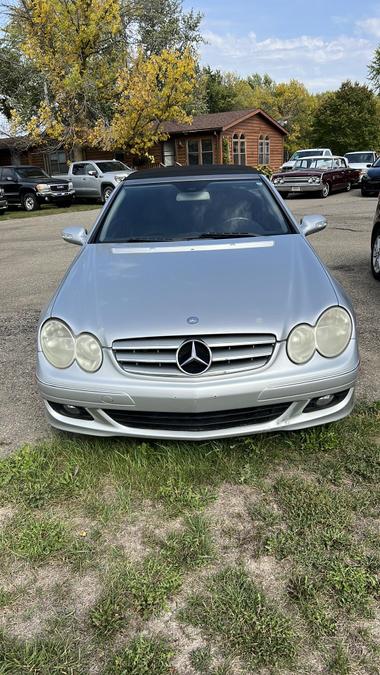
75 235
9 178
312 224
92 173
369 166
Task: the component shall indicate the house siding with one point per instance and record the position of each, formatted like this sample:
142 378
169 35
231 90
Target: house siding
252 129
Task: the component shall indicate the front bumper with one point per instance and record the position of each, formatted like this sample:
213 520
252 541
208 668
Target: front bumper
301 187
111 390
3 204
50 196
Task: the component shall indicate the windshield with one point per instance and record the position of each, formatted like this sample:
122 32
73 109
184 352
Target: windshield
106 167
323 163
306 153
377 163
360 157
31 172
208 209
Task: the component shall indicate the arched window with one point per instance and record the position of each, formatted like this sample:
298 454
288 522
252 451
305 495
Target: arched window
239 148
264 150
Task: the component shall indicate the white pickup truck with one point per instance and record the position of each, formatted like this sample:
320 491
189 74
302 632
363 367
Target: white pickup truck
96 178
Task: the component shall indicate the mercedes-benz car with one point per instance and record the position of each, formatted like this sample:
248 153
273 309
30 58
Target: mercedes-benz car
196 309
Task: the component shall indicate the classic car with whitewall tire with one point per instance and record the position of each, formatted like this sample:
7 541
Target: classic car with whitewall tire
375 244
318 175
29 186
196 309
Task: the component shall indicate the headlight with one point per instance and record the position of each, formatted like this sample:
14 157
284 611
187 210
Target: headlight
57 343
70 186
88 353
333 332
301 343
42 187
118 179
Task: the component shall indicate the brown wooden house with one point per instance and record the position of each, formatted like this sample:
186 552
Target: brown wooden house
238 137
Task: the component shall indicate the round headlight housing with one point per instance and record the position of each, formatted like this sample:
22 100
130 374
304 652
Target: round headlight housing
333 332
301 343
57 343
88 352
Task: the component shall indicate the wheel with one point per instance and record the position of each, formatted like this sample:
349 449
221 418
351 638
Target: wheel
106 192
348 187
29 201
375 255
325 190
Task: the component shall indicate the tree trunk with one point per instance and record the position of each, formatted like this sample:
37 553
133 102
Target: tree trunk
77 153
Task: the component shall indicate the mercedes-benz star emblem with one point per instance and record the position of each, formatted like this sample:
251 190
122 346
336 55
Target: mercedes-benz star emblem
194 357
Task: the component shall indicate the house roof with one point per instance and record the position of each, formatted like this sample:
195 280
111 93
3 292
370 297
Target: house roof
219 121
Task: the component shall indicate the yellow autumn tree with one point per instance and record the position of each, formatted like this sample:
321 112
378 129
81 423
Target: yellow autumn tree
99 90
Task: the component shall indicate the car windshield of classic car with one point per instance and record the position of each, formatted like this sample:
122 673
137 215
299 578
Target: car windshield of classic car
318 163
202 209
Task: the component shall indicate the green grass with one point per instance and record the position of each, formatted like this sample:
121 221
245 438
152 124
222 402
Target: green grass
40 657
304 506
47 210
233 610
143 656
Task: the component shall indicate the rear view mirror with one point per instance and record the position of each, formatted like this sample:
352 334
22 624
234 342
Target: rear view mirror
75 235
312 224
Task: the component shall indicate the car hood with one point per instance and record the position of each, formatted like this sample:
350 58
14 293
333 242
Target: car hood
301 172
265 285
374 172
48 180
113 174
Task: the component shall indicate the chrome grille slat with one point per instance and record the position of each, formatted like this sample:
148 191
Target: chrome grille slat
157 356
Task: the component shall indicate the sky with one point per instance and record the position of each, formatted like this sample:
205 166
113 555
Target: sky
321 43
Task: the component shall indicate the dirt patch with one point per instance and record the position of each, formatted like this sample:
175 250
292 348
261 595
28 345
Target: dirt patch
6 514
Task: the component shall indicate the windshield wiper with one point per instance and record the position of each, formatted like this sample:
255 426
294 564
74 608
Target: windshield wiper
221 235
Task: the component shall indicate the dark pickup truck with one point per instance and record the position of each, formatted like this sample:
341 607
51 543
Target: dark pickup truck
29 187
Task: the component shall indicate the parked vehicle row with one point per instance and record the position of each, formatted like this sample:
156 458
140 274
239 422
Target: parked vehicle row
29 186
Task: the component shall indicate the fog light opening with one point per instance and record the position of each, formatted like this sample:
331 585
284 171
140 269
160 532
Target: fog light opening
325 401
71 410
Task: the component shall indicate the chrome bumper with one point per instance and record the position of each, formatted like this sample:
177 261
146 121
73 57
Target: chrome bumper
277 383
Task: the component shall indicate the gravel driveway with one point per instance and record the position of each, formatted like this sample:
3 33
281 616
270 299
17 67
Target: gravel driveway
33 259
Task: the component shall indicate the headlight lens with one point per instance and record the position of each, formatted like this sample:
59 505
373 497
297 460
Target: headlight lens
301 343
333 332
89 355
57 343
71 185
42 187
118 179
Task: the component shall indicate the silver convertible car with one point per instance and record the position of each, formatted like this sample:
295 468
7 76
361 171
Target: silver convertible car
196 309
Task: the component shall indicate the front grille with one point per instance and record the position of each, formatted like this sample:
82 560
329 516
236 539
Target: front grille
59 188
208 421
230 353
295 180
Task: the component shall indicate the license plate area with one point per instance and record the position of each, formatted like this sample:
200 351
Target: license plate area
296 189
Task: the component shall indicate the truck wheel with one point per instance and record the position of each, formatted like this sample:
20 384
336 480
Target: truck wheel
29 201
375 255
106 192
325 190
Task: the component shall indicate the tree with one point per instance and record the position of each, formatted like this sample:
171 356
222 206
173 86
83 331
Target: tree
21 85
374 70
94 71
347 119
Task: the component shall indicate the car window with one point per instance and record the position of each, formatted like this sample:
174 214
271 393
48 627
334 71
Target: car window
188 210
78 169
89 167
8 173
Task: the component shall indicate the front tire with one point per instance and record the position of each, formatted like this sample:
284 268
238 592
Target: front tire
325 190
107 192
30 202
348 187
375 255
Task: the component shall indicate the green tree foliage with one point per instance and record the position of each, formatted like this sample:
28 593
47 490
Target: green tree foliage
347 119
21 85
162 24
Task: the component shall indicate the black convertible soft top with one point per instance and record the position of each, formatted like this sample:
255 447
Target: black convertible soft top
178 171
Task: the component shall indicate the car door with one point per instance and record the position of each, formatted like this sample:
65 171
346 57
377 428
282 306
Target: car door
346 173
90 183
78 172
10 184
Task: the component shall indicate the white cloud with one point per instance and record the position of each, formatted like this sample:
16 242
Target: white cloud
370 26
320 62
